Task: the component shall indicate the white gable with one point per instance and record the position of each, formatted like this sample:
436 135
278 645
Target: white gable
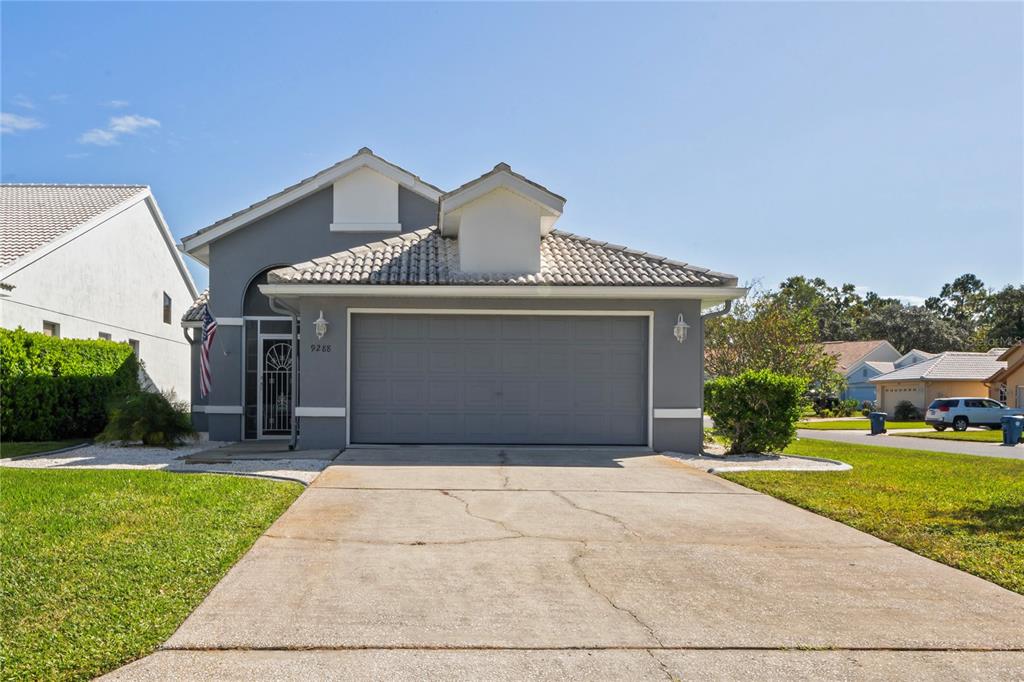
499 220
499 232
365 201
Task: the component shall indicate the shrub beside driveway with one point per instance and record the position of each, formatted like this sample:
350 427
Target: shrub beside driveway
97 568
961 510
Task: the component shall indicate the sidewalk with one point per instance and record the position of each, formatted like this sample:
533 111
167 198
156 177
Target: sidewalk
933 445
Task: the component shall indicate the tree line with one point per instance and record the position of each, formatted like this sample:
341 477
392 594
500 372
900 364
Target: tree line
781 329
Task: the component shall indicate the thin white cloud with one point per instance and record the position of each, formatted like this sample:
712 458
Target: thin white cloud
24 101
116 103
99 136
117 126
132 123
15 123
59 97
908 299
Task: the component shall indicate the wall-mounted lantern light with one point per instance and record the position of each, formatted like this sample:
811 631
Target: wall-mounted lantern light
320 325
679 331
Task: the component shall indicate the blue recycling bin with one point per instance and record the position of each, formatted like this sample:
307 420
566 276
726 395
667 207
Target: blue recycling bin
1012 428
877 422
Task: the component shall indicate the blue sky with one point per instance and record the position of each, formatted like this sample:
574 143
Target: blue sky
879 144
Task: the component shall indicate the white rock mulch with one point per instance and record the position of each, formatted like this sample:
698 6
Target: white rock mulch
717 463
138 457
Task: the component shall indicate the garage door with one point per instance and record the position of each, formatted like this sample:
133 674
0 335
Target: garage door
499 379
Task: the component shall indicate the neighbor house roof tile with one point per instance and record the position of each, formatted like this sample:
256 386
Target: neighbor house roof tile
849 352
949 366
34 215
195 311
425 257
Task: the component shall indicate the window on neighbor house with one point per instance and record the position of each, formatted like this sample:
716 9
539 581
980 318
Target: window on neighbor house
1002 393
134 343
51 328
105 336
167 308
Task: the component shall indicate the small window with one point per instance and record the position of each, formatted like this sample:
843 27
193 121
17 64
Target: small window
51 328
134 343
167 308
105 336
1002 393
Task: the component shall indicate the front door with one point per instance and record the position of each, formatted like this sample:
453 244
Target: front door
275 385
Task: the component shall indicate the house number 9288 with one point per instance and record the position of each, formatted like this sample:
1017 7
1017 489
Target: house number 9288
320 347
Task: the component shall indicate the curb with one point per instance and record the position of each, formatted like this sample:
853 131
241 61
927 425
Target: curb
839 466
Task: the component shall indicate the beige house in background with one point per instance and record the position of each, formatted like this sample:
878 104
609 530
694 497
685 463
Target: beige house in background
947 375
1007 384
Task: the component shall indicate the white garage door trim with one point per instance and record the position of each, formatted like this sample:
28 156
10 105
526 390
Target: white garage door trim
649 314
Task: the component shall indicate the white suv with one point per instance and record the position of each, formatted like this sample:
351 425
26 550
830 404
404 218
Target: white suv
963 412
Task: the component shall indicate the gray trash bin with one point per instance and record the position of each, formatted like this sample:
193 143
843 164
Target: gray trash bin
1012 427
877 422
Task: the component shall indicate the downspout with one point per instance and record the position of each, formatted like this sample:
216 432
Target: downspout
724 310
279 307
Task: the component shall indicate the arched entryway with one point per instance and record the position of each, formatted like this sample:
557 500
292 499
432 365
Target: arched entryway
269 363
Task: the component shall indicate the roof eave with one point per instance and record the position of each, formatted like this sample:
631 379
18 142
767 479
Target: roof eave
321 180
709 296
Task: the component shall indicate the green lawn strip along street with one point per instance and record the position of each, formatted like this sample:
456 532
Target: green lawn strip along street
32 448
97 568
988 436
961 510
856 425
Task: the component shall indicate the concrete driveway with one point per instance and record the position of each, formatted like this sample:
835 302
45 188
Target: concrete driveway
425 563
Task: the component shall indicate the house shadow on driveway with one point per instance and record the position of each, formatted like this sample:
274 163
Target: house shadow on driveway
490 456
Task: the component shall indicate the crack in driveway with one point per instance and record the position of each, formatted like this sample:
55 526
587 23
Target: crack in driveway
578 568
581 508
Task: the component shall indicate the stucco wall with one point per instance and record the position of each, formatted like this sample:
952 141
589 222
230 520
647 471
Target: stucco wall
294 234
677 367
110 279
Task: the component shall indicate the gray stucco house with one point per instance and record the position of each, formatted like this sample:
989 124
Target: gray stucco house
424 316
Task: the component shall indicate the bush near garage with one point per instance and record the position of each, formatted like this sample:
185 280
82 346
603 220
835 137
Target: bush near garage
152 418
53 388
755 411
906 411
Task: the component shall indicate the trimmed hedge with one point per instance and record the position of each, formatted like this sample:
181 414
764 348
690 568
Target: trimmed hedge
52 388
755 411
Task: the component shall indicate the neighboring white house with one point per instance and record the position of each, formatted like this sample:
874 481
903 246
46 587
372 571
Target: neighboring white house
96 261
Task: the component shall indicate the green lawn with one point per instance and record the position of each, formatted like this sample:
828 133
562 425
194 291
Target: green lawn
962 510
97 568
978 436
856 424
18 449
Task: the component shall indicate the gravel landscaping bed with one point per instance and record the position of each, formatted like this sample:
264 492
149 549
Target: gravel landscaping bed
714 461
138 457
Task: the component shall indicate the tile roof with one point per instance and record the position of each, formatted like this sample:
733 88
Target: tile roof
849 352
951 365
882 367
195 311
34 215
425 257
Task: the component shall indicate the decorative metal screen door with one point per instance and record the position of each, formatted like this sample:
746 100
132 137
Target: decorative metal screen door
275 385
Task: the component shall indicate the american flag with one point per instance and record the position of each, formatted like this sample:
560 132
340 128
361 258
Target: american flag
209 331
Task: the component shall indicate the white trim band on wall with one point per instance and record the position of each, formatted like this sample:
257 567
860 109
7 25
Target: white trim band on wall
319 411
199 408
230 321
223 409
677 413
